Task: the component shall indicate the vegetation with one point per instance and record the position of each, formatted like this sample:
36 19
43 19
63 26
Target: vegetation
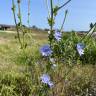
35 63
21 80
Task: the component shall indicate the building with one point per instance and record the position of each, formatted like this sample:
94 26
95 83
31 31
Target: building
6 27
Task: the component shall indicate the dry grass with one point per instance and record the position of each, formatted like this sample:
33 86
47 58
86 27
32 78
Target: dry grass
12 60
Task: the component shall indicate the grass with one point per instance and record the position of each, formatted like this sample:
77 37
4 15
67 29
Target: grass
10 52
79 82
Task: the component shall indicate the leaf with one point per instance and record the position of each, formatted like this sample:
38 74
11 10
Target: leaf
55 10
51 22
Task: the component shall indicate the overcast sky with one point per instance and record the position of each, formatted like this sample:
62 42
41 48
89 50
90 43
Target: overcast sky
81 13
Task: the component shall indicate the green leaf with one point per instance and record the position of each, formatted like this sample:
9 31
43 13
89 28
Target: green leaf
55 10
51 22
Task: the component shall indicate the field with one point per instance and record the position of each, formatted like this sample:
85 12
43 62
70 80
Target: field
20 72
10 48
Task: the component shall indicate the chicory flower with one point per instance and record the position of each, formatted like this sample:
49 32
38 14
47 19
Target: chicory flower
80 48
46 50
51 84
45 78
57 35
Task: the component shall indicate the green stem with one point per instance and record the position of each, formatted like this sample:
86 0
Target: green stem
63 21
51 27
28 12
19 14
21 27
90 31
17 29
64 4
51 15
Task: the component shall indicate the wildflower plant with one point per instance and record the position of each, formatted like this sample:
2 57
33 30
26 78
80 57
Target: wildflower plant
61 50
65 49
55 36
20 28
51 20
53 50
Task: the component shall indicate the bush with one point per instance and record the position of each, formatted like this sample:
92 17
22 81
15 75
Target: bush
66 49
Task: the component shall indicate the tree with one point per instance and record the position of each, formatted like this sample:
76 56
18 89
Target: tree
91 25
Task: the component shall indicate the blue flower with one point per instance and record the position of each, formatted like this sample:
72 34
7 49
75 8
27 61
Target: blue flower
45 78
80 48
51 84
57 35
46 50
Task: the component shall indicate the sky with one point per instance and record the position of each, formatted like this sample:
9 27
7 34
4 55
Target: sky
80 14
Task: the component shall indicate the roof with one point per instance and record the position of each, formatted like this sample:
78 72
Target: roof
5 25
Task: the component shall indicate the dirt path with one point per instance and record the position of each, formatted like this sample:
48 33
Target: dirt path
3 40
8 31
